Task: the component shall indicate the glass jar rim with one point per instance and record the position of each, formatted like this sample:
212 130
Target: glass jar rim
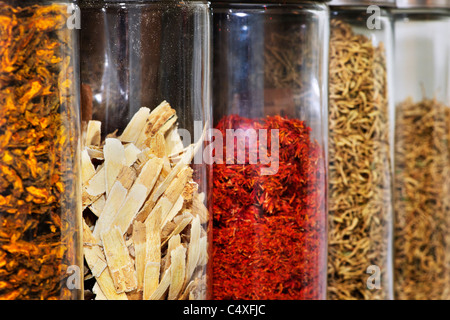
423 4
280 2
354 3
136 1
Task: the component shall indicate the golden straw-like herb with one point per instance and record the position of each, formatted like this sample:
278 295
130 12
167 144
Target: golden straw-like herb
39 208
360 207
422 202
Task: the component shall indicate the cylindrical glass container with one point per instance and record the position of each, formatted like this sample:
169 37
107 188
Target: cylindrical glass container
422 150
270 159
360 151
40 212
145 73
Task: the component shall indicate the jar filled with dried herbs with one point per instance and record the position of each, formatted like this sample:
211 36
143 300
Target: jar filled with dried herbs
270 152
360 151
145 77
40 213
422 150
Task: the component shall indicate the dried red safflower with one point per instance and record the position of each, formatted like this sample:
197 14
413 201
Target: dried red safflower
269 235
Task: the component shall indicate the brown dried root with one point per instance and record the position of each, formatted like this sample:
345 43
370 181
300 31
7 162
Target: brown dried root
360 207
422 202
150 234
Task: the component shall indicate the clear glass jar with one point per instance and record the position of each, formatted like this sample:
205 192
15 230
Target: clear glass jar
40 212
422 150
145 73
360 151
270 159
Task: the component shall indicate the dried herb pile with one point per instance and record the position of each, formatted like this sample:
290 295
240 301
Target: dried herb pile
38 141
269 231
291 57
287 58
360 201
145 223
422 202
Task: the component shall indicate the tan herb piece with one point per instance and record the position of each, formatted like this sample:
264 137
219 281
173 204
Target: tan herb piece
87 168
194 247
119 261
139 240
93 133
114 154
153 252
422 202
360 203
96 261
138 193
160 292
136 125
177 274
149 203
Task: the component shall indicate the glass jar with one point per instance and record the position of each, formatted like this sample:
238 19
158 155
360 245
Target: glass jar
360 151
146 109
422 150
270 151
40 212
